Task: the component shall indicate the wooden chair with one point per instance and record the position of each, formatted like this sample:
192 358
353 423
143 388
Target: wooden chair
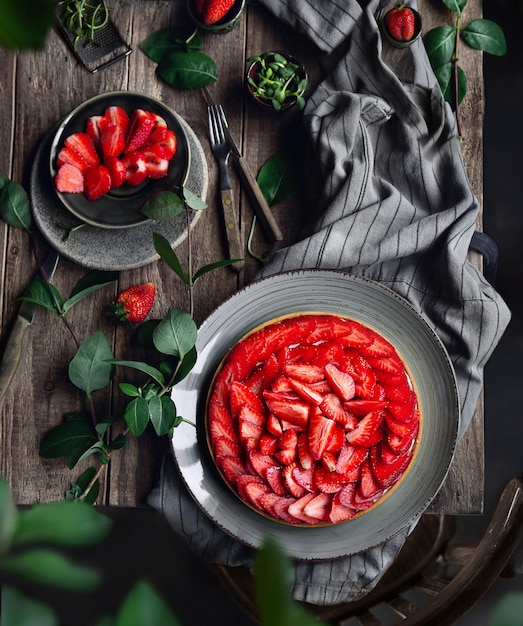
433 582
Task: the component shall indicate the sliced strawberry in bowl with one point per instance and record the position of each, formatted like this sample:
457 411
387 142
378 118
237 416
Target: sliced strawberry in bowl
165 139
117 170
135 168
141 126
117 116
112 141
97 182
82 145
156 165
69 179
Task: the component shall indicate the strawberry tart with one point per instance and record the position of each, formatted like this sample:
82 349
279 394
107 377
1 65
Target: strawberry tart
312 419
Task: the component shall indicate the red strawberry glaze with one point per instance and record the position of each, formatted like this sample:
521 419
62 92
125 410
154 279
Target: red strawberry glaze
322 414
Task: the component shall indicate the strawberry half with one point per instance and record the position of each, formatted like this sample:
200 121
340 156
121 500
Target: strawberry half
69 179
82 145
112 141
341 382
66 155
288 407
165 139
97 182
116 116
321 430
141 126
135 168
117 171
368 432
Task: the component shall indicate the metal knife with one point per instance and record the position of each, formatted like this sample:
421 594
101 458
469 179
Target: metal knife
15 342
259 203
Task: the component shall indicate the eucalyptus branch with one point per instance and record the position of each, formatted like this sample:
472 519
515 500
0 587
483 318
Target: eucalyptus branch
442 44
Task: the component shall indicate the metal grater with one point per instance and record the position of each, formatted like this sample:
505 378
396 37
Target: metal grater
106 48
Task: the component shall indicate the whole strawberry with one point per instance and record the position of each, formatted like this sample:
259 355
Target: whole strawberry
401 23
133 305
212 11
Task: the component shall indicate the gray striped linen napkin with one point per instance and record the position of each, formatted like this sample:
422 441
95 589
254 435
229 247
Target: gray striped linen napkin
395 206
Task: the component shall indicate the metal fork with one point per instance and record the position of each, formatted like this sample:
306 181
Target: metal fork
258 202
221 152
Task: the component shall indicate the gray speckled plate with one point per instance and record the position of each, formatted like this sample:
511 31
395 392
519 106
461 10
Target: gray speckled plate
103 248
429 366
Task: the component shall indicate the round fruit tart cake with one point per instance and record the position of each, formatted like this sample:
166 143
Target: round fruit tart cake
312 419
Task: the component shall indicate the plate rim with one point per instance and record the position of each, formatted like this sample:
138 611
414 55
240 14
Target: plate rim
313 533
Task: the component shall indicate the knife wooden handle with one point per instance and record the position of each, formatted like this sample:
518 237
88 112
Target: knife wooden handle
12 354
232 229
260 206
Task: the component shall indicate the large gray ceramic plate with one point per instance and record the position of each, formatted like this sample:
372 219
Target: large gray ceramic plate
121 207
428 364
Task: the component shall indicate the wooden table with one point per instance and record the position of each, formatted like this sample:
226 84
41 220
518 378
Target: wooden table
39 89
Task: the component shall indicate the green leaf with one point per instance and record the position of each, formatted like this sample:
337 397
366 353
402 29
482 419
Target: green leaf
129 390
142 367
137 415
456 6
485 35
71 439
94 278
445 76
168 256
145 333
15 208
163 206
143 606
19 609
187 70
273 576
193 200
440 43
8 517
162 413
91 369
48 567
98 448
175 334
119 442
163 41
212 266
88 284
62 524
23 26
78 488
43 294
277 178
188 362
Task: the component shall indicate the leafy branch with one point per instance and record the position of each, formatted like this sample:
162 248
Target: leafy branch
442 44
